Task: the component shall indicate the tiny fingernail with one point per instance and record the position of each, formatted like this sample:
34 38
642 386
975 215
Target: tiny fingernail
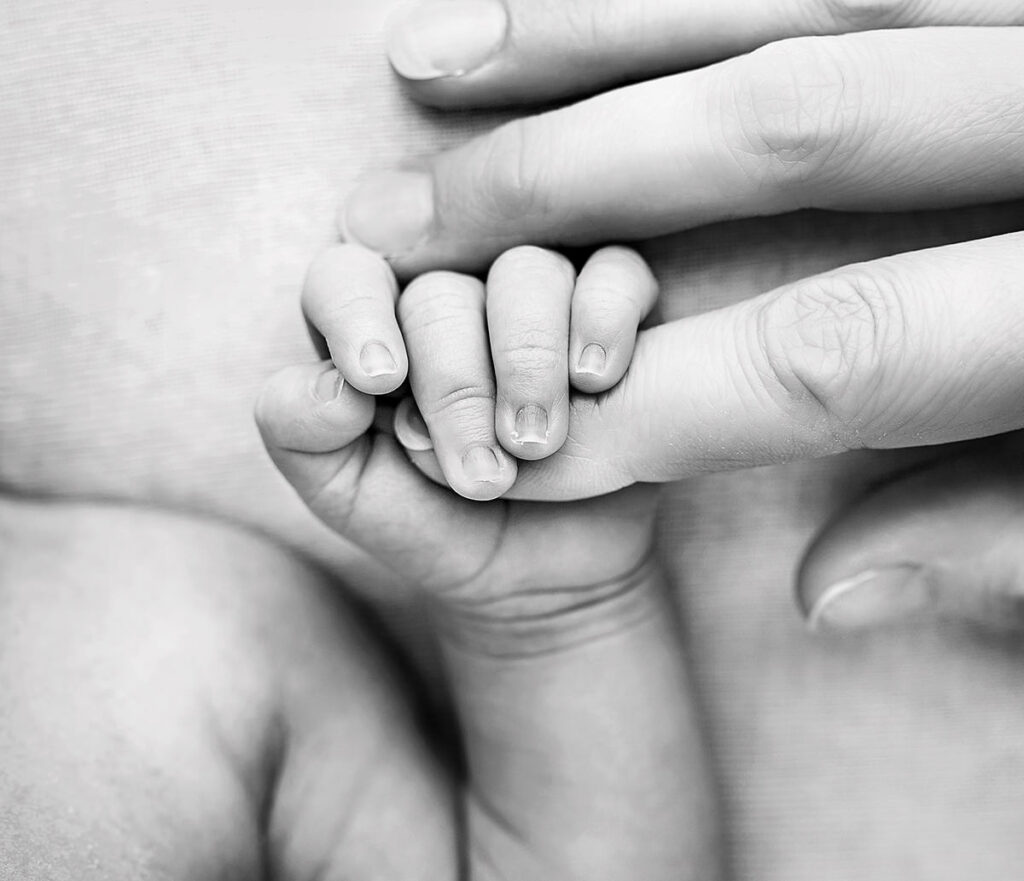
481 464
592 359
531 425
872 598
376 360
329 384
410 429
390 212
438 38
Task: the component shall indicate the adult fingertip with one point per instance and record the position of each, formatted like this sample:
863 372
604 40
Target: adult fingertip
434 39
941 542
389 212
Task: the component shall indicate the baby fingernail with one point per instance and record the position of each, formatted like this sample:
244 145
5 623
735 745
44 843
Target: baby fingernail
390 212
438 38
329 385
531 425
873 598
592 359
410 429
376 360
481 464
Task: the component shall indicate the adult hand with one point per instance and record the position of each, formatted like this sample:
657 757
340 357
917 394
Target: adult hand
914 350
888 353
485 52
880 120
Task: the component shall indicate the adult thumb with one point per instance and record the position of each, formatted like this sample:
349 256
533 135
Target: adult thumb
943 542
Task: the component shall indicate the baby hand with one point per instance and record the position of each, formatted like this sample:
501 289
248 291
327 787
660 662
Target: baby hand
579 728
492 365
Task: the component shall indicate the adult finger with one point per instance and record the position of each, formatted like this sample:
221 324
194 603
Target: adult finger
486 52
529 292
922 348
349 298
881 120
944 542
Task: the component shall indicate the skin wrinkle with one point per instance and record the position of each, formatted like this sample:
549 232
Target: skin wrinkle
564 603
488 561
175 429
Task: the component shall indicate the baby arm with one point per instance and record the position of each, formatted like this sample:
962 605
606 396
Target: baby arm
583 751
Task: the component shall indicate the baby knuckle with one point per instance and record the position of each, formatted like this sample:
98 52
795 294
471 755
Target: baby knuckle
532 364
828 342
529 337
796 107
439 293
459 402
609 313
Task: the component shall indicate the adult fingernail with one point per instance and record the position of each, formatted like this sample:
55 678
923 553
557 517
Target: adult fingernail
592 360
873 598
376 360
482 465
329 385
438 38
410 429
531 425
390 212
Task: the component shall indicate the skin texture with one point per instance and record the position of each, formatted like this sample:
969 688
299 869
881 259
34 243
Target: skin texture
217 716
156 235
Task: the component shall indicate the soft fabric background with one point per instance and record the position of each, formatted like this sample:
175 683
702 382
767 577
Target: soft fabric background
167 170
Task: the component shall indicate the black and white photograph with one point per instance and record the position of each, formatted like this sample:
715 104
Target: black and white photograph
512 440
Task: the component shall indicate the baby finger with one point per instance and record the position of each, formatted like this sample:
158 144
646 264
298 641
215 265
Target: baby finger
615 291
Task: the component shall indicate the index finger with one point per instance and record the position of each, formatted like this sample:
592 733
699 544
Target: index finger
908 351
876 121
486 52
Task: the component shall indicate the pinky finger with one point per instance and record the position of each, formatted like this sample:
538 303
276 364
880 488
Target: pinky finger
614 292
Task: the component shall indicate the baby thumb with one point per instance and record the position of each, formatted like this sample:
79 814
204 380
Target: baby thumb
946 542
